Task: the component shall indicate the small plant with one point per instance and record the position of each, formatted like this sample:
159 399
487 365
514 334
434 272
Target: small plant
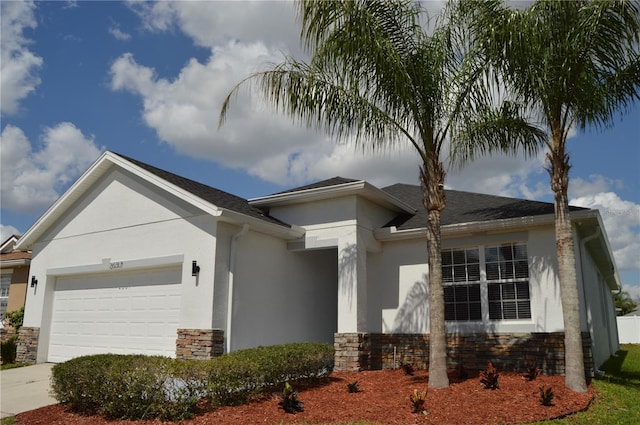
407 368
418 400
489 378
546 396
353 387
532 373
290 402
15 319
462 372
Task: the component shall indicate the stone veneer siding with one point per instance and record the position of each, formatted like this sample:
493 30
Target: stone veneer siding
511 352
199 344
27 345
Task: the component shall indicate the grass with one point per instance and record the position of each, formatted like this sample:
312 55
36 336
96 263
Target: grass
618 393
13 366
11 420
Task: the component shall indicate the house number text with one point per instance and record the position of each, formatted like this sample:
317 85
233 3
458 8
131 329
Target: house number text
116 265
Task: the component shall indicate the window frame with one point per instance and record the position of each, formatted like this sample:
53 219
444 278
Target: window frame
5 275
484 283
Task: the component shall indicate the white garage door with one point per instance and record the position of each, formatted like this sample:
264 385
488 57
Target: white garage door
119 312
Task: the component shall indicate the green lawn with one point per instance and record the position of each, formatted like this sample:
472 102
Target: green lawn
618 398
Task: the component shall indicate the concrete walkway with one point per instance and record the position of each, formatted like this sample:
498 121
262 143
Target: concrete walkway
25 388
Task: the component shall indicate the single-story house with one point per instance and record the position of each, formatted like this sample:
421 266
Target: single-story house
14 273
135 259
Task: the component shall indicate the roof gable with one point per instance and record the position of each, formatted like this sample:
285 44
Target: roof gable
8 245
209 199
210 194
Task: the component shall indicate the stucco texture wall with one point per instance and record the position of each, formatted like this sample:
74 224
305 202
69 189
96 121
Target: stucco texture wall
283 296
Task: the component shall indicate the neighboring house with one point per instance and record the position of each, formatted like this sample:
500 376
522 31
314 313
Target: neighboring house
134 259
14 274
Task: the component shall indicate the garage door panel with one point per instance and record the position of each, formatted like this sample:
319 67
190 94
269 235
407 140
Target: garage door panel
122 313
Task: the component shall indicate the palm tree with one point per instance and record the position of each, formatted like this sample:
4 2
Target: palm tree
572 64
378 77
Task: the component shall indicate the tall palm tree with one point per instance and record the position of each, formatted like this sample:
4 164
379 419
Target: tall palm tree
378 77
572 64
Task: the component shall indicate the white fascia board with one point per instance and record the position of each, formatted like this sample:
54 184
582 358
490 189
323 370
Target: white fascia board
100 167
7 245
284 232
16 263
610 275
360 187
461 229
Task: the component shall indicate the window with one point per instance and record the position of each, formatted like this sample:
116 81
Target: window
508 276
502 269
5 283
461 298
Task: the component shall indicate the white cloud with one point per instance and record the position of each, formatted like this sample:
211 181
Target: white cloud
243 37
632 290
18 63
6 231
596 183
212 24
118 34
31 179
622 222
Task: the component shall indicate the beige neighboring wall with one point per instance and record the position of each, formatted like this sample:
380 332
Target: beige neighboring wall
17 264
18 288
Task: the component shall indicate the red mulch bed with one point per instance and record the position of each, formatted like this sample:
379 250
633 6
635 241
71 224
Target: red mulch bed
383 399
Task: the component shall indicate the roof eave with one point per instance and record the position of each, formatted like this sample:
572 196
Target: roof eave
607 265
360 187
461 229
15 263
282 231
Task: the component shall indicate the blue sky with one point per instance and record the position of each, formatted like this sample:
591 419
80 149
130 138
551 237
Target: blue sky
147 80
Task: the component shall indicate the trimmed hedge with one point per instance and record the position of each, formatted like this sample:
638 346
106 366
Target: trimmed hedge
138 387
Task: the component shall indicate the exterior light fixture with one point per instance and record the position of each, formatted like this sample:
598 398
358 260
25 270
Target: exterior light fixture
195 268
34 281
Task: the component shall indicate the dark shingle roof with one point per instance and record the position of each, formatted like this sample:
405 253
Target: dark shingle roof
465 207
334 181
462 207
210 194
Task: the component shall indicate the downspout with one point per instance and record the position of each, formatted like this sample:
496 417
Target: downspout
583 247
232 272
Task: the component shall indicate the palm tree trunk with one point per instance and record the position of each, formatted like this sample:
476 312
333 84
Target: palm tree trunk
574 355
432 179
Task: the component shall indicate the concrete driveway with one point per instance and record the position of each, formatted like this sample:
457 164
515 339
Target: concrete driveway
25 388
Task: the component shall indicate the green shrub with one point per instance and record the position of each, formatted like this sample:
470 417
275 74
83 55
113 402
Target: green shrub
138 387
241 376
129 386
8 350
15 319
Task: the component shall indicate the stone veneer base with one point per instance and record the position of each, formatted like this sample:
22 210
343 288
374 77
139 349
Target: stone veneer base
27 345
199 344
511 352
